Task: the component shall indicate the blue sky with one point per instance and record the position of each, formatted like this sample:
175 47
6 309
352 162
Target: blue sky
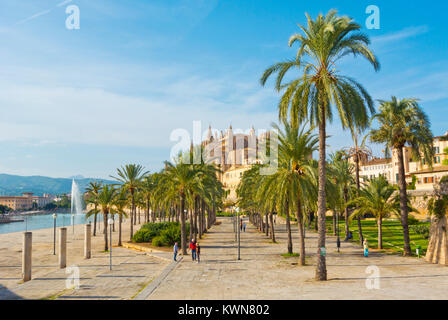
87 101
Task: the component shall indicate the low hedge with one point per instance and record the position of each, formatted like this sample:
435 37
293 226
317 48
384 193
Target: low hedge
160 234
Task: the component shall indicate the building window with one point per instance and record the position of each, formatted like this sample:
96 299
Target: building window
436 150
437 159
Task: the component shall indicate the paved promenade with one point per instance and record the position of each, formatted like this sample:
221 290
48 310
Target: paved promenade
132 270
262 273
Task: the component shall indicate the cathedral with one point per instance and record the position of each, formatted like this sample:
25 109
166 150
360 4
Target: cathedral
234 153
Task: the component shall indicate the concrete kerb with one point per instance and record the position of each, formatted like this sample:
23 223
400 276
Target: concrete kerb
154 284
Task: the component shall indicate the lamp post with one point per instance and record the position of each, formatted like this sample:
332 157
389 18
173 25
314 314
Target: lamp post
110 222
54 233
239 231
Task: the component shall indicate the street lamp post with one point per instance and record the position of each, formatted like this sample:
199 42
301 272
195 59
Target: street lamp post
54 233
110 222
239 231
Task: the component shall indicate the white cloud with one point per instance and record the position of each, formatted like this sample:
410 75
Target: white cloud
400 35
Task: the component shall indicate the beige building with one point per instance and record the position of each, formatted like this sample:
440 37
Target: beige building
23 202
234 153
425 176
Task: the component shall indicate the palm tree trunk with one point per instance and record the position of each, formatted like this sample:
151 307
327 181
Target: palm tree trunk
321 268
347 227
380 233
147 211
183 232
120 219
288 227
403 202
266 227
94 222
272 227
106 247
301 233
190 219
132 215
196 220
358 188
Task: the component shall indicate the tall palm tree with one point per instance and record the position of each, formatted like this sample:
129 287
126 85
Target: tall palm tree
401 123
121 203
130 176
180 180
377 198
106 202
320 87
342 173
358 153
92 191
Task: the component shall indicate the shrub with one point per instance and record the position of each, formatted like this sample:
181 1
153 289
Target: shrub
160 234
422 229
171 235
158 241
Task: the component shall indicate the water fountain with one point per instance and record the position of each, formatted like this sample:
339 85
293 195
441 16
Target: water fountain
76 206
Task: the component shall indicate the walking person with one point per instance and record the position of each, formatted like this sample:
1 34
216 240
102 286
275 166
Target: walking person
366 248
244 227
198 252
193 250
175 250
241 224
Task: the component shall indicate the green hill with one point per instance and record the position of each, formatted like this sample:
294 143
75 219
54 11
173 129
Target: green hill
15 185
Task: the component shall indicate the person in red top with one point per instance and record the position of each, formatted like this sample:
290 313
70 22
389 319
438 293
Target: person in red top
193 250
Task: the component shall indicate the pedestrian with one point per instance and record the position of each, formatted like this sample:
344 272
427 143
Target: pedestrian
241 224
193 250
175 249
244 227
198 252
366 248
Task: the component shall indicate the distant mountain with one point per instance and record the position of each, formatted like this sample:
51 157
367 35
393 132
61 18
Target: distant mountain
15 185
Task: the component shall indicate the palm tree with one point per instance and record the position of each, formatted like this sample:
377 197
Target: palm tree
121 203
320 87
106 202
403 122
92 191
342 174
180 180
377 198
358 153
130 176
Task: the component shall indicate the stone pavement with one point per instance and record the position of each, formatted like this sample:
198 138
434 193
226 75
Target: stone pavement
262 273
131 272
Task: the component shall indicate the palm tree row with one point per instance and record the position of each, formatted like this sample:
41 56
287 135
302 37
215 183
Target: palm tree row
320 88
180 192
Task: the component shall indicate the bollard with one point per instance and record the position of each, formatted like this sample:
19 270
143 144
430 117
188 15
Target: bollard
26 256
62 248
87 241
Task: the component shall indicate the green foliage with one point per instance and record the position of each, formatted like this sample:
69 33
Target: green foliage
225 214
4 209
412 220
160 234
50 206
157 241
411 186
445 162
421 229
